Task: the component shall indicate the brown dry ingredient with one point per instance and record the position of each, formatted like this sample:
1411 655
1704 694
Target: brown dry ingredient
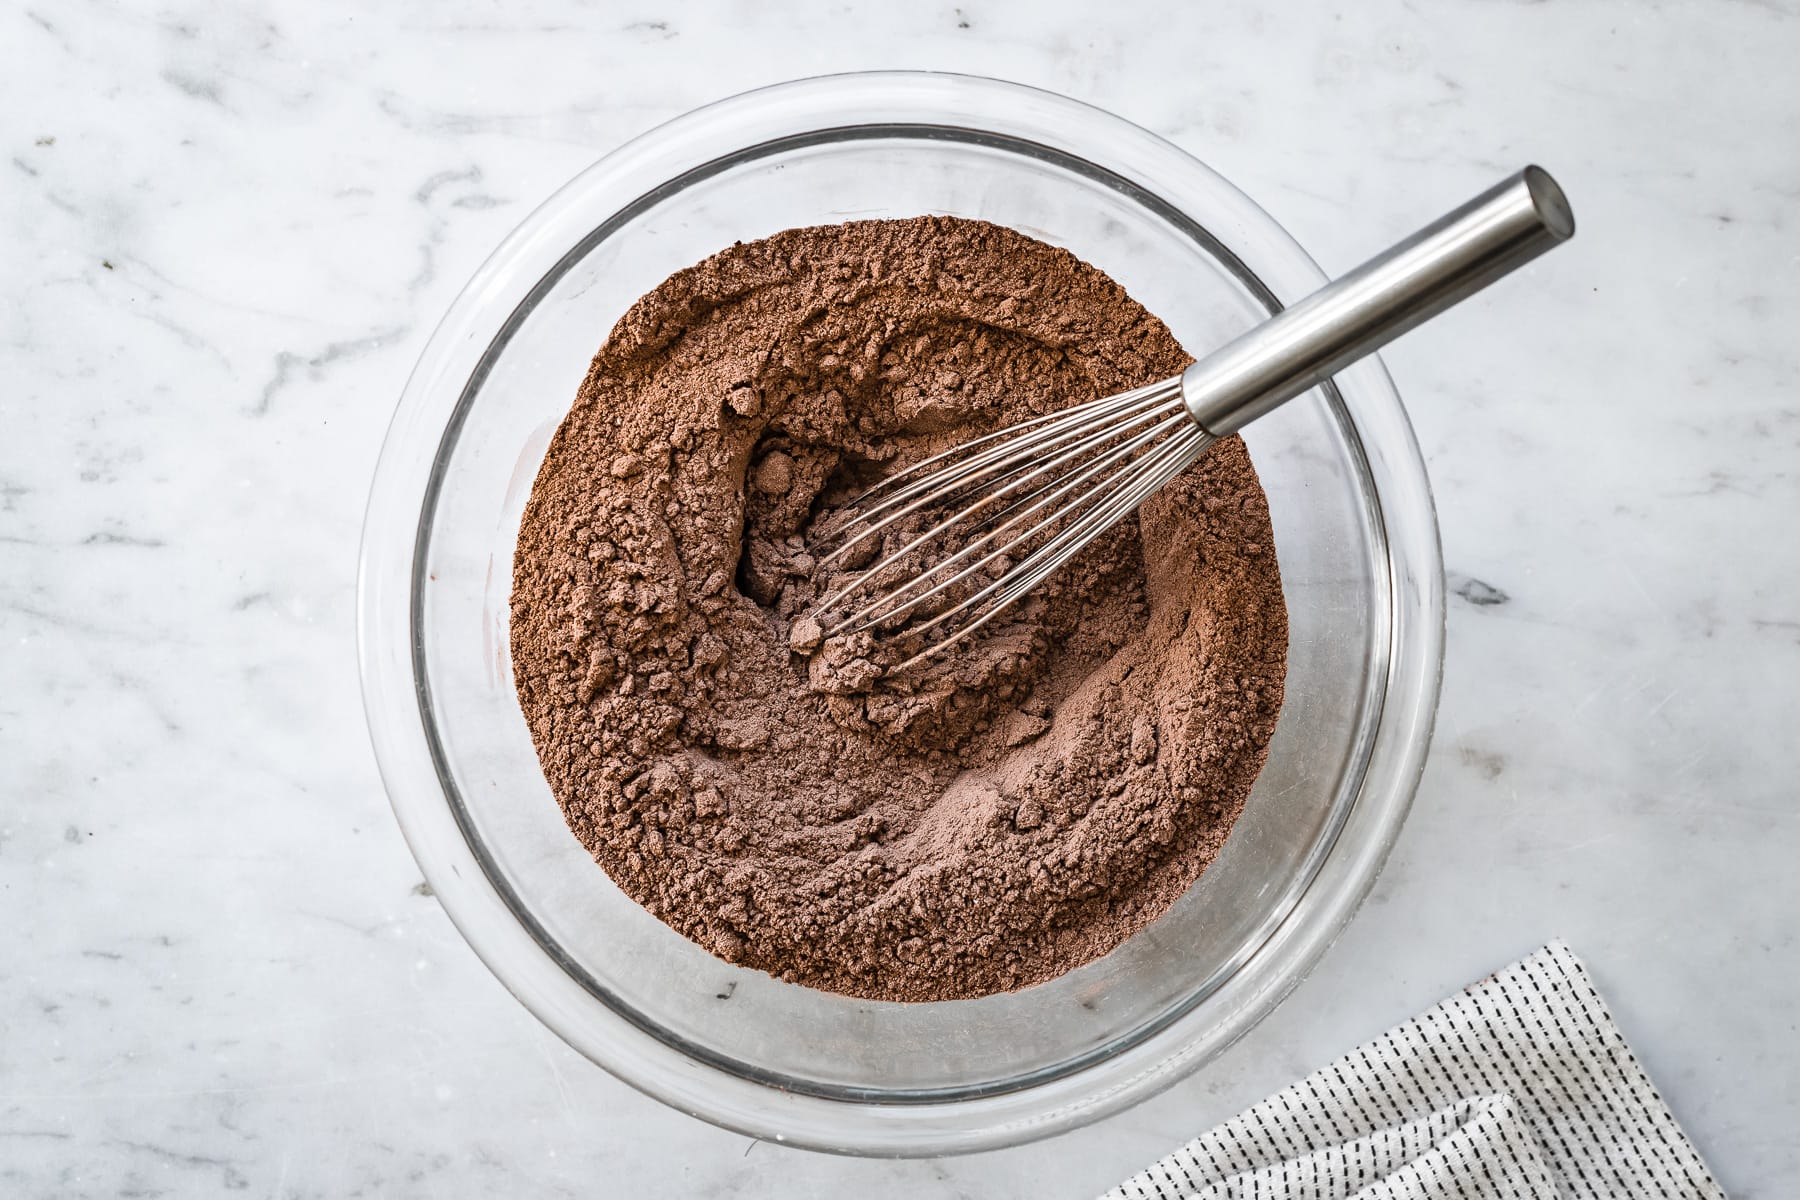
1011 812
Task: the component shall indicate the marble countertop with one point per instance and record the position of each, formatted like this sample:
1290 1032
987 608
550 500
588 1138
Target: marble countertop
230 230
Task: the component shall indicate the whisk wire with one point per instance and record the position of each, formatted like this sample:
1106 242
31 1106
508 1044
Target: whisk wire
1083 413
1021 451
1000 490
1151 473
889 604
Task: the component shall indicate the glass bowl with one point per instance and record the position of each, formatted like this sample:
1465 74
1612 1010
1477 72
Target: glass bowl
1354 529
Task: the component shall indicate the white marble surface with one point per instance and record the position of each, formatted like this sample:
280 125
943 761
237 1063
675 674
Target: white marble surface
229 229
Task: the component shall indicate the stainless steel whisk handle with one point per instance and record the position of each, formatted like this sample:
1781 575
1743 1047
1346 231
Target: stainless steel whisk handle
1449 260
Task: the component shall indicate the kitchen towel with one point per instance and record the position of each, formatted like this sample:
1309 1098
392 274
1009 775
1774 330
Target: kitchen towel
1519 1088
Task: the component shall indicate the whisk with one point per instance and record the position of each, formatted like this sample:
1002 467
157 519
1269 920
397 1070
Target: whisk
1003 512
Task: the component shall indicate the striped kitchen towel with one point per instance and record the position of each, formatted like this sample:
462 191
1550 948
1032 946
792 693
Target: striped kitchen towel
1519 1088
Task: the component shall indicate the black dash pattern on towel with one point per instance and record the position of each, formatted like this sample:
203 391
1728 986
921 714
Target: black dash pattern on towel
1519 1088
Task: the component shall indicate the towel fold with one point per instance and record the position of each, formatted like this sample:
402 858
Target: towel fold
1519 1088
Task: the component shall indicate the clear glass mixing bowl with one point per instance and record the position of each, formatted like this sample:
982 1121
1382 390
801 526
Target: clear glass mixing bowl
1354 529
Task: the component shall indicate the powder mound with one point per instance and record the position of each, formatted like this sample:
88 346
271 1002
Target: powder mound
1006 813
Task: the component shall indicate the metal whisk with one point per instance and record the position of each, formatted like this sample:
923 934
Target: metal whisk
982 525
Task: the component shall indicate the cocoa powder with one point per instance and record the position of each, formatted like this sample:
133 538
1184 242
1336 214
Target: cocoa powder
990 821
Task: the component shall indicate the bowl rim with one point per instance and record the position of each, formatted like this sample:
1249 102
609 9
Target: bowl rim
396 700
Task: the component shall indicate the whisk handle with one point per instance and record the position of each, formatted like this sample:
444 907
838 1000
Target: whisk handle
1449 260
